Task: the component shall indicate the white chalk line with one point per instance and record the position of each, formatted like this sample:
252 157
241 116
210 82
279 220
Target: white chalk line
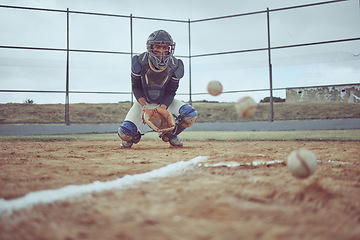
48 196
337 162
238 164
262 163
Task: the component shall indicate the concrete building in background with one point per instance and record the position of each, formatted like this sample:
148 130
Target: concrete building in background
349 93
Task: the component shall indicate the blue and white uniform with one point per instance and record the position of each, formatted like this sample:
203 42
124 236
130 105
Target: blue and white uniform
156 80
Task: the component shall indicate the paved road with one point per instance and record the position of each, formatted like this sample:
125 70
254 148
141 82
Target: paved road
48 129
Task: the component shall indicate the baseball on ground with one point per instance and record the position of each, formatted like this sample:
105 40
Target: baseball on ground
214 88
302 163
245 107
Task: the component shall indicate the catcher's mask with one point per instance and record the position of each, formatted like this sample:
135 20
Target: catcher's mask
161 47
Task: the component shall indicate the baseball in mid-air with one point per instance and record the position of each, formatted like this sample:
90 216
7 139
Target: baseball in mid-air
214 88
245 107
302 163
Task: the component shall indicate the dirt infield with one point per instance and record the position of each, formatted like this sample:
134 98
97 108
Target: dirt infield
218 199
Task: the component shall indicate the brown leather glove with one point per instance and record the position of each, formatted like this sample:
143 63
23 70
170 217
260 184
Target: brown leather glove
159 119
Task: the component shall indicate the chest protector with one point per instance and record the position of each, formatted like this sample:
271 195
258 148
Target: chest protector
154 81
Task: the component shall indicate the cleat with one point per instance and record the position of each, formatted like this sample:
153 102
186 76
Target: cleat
165 137
175 141
126 144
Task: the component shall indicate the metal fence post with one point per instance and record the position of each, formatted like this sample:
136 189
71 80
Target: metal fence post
270 69
190 97
131 53
67 115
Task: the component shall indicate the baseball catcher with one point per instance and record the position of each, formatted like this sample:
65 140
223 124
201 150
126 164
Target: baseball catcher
155 76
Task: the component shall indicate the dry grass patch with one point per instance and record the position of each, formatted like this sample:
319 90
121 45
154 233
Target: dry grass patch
13 113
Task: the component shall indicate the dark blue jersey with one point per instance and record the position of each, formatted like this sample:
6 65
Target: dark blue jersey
156 86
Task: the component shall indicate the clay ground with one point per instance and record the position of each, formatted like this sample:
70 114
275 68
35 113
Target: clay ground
209 202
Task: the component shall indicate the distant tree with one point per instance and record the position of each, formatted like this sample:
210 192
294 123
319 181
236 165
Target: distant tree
29 101
206 101
275 99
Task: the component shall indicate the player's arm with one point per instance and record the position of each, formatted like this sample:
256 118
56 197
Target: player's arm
170 93
173 85
138 92
136 81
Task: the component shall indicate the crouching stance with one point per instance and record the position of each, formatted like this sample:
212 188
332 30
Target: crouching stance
155 79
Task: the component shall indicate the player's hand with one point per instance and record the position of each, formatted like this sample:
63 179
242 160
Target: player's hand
163 106
144 109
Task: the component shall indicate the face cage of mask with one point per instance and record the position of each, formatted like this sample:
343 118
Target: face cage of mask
162 58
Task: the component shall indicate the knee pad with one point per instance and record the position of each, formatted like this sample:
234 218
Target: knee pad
187 116
128 132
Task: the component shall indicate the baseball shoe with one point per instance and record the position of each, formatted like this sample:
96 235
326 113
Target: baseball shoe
174 140
165 137
125 144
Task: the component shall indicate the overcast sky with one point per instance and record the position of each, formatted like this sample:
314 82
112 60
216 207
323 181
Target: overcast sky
336 63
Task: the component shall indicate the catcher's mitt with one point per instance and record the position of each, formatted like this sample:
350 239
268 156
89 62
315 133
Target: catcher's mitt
159 119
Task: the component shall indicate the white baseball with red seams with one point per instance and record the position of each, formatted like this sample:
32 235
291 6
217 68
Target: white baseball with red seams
245 107
215 88
302 163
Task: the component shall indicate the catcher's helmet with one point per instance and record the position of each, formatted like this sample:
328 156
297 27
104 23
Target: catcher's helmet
160 58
